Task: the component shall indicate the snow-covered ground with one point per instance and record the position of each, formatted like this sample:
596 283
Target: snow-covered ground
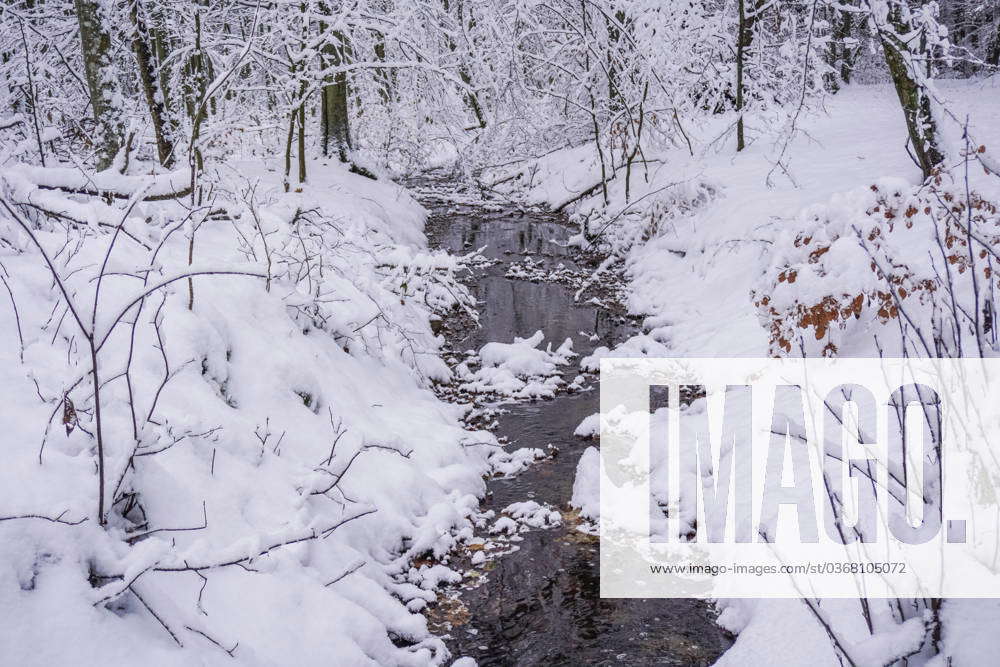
716 214
708 234
272 448
276 449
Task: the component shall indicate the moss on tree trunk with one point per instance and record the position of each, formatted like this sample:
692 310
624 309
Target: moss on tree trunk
920 124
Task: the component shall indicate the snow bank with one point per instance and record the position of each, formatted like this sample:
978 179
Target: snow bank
274 456
848 270
640 345
587 485
706 237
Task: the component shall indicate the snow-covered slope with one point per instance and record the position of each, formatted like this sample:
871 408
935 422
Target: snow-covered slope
713 216
274 457
706 230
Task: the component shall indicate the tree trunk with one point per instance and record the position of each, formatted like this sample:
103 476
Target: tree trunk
841 55
847 54
593 111
335 130
197 74
102 81
615 103
993 58
386 76
744 38
292 117
148 56
471 98
302 139
300 113
195 89
920 124
742 42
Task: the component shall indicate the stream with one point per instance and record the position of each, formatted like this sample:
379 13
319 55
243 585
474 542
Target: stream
541 604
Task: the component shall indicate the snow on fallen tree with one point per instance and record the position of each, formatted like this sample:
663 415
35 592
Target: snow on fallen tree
108 183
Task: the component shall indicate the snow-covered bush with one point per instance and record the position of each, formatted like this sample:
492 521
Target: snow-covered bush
892 269
908 268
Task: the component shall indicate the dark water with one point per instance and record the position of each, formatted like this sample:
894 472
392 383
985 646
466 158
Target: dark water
540 605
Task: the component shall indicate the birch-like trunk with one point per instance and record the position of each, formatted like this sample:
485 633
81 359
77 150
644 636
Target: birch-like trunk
102 81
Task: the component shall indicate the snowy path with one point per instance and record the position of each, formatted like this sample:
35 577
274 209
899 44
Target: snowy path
540 604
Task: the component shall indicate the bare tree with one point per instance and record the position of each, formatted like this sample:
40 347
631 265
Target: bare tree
335 113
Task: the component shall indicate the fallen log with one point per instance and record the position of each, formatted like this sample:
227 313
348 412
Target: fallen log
109 184
580 195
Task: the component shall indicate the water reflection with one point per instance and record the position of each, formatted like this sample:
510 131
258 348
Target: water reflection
542 604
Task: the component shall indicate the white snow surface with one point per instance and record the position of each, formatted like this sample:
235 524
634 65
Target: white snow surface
587 484
516 370
722 224
290 469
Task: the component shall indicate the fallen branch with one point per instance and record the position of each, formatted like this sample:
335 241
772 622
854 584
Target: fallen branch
186 565
61 215
42 517
132 539
351 570
586 193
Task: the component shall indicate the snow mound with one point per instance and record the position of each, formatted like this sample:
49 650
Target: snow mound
640 345
590 427
519 370
507 464
522 516
587 485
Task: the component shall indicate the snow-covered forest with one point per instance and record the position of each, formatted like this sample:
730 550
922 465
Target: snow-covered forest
258 392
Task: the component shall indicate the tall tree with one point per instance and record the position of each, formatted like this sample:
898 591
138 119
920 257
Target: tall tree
907 49
842 50
335 124
471 97
102 80
993 55
149 57
744 40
